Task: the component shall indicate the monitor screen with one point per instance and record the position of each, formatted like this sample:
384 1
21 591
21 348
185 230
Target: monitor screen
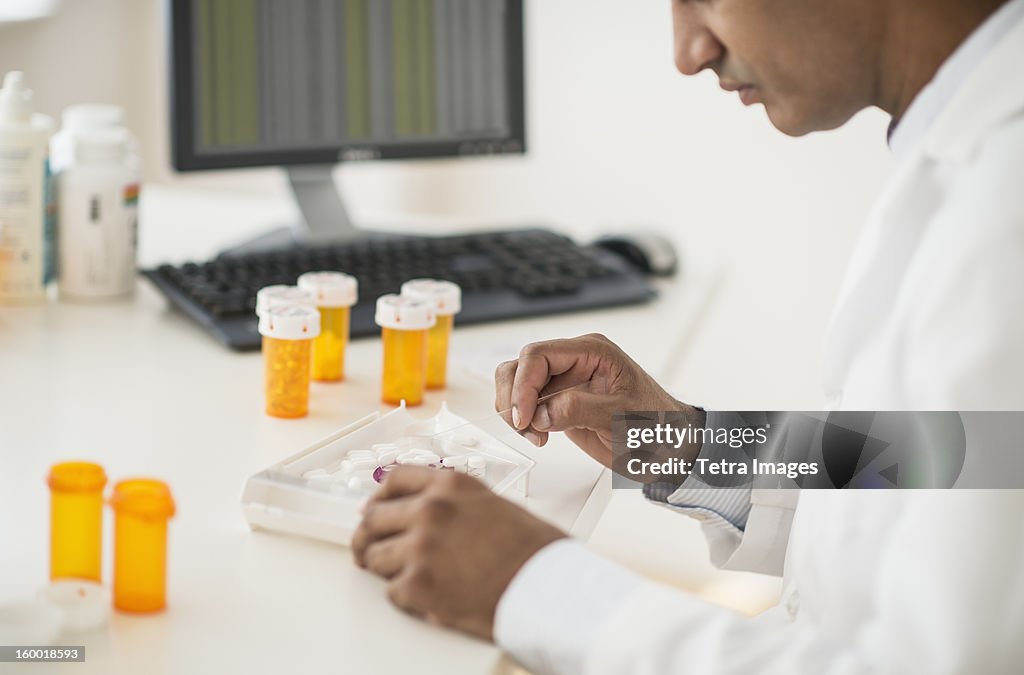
289 82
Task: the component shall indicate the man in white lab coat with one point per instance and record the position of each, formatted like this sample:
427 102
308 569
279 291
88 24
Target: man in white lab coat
931 316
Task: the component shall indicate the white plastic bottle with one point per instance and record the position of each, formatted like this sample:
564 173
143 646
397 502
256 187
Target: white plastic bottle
97 169
27 211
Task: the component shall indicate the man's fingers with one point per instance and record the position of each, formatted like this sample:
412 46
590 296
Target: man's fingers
403 482
538 364
538 438
390 508
387 557
406 590
574 409
382 520
503 378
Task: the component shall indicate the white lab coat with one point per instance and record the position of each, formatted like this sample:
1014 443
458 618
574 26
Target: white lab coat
931 317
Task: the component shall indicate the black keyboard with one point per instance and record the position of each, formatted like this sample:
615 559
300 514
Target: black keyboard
503 275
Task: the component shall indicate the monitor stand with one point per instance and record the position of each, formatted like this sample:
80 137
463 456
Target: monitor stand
325 218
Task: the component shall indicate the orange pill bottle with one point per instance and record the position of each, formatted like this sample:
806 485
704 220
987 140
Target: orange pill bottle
446 298
288 333
142 507
76 520
334 294
404 324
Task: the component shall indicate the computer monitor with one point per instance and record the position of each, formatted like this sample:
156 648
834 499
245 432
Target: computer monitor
305 84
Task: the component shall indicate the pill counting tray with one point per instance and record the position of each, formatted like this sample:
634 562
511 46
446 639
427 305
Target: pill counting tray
319 491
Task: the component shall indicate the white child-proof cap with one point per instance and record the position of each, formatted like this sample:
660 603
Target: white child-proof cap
101 145
92 116
15 99
446 295
282 296
86 604
331 289
290 322
404 313
66 607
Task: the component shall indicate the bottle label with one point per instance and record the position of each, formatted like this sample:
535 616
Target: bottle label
49 225
98 230
131 195
22 216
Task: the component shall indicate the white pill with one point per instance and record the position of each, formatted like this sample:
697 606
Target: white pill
466 439
462 468
456 461
346 466
355 483
406 458
429 454
384 448
477 466
318 476
362 464
388 457
361 454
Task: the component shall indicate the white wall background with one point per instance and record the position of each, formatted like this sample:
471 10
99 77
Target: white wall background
617 139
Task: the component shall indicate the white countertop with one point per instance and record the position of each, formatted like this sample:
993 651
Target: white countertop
137 387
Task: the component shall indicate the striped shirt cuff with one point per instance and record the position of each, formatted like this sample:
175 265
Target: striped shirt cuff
728 507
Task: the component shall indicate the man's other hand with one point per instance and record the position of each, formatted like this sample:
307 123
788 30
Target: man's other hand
603 380
447 545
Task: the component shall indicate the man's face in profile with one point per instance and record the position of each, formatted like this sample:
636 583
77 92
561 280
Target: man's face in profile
812 63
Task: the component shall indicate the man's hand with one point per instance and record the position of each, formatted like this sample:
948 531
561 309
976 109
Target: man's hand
447 545
606 380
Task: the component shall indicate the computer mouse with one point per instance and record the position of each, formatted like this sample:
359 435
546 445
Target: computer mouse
649 252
